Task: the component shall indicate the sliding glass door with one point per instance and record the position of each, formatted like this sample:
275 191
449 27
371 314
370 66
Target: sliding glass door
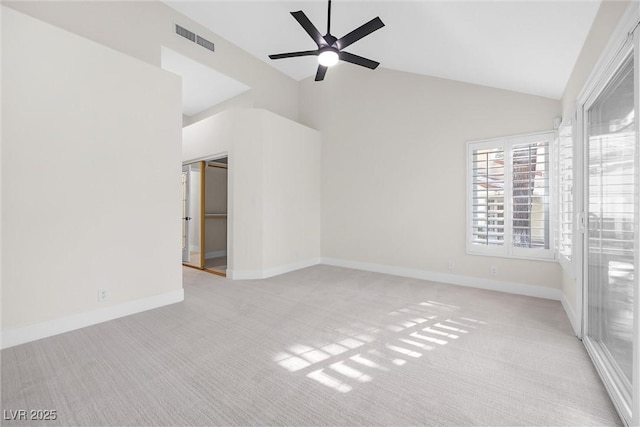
610 241
192 214
185 213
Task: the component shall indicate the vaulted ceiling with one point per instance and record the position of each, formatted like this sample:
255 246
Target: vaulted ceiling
525 46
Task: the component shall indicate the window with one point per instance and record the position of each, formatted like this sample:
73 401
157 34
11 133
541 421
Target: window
509 197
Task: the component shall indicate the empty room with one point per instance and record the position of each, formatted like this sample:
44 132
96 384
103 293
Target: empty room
320 213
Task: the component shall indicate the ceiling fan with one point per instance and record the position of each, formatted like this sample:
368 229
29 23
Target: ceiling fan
329 47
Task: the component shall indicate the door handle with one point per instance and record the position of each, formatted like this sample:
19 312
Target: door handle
581 222
593 222
187 218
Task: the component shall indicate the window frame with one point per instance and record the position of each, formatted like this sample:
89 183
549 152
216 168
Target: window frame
508 250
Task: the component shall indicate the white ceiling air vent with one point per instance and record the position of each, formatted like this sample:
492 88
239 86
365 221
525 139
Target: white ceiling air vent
190 35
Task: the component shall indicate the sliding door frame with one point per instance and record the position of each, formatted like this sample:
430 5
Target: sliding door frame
625 41
635 383
613 379
226 220
200 214
203 161
185 213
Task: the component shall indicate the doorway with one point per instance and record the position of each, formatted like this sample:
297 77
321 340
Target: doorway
205 215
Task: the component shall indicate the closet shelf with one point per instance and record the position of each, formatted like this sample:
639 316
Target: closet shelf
215 215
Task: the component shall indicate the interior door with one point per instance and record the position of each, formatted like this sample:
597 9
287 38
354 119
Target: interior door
610 240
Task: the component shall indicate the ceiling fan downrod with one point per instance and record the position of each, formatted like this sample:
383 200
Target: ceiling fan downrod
329 19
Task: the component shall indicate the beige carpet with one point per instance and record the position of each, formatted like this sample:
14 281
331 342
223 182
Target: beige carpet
321 346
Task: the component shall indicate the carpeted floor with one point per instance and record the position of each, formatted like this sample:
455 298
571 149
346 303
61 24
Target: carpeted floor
320 346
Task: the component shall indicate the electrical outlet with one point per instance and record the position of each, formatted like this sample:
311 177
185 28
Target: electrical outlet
494 270
451 265
102 295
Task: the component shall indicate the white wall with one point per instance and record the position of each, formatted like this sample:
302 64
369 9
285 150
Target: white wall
291 211
274 188
244 100
90 181
393 172
141 28
606 19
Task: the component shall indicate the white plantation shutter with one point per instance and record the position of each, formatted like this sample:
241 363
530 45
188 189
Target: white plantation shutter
565 194
509 196
530 192
488 196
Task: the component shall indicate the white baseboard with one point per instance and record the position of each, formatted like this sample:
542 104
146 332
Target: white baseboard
571 314
270 272
61 325
215 254
244 274
453 279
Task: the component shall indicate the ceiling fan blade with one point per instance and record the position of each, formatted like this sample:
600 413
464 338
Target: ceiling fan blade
322 70
309 28
358 60
294 54
363 30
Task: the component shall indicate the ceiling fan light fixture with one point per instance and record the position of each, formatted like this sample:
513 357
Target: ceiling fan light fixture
328 57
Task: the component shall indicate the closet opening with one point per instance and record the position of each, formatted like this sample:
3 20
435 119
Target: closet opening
205 215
